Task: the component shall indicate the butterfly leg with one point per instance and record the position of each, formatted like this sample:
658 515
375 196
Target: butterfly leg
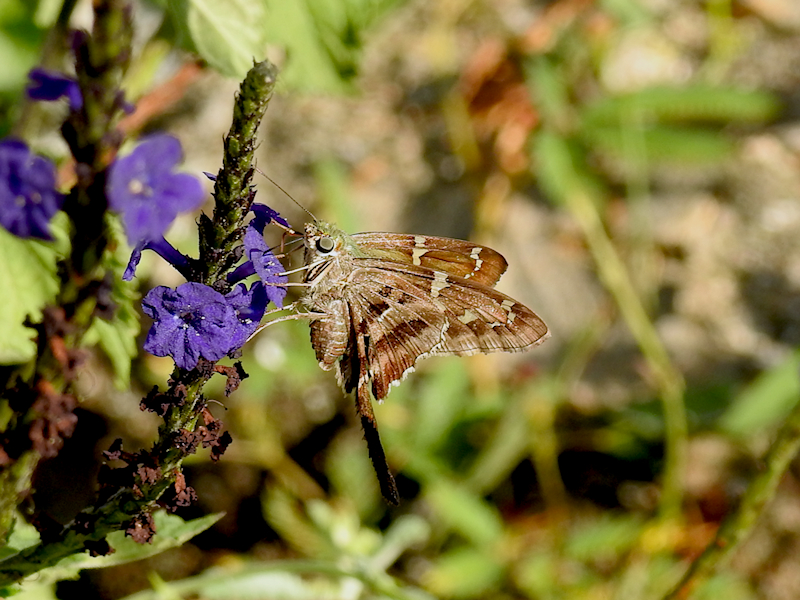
295 316
370 426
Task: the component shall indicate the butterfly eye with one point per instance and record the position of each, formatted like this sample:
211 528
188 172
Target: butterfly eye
325 244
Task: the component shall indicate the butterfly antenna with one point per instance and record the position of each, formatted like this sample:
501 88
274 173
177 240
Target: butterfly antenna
288 195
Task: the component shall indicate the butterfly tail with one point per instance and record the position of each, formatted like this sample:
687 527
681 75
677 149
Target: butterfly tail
378 457
370 426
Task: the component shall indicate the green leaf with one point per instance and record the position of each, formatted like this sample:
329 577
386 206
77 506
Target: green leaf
322 39
562 169
28 273
348 467
23 535
731 586
661 143
229 35
406 531
47 13
287 580
441 403
240 586
605 539
547 85
471 516
309 65
31 591
171 531
20 41
502 452
465 573
765 402
698 103
537 575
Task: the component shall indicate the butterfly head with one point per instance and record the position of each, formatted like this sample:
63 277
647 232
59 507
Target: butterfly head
325 242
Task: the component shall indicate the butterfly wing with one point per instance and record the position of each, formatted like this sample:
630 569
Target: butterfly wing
398 322
454 257
408 312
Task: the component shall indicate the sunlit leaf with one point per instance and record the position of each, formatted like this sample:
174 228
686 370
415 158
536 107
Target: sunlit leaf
464 573
465 512
28 270
765 402
171 531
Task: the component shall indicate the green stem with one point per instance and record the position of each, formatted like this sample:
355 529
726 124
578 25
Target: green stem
738 526
668 379
232 193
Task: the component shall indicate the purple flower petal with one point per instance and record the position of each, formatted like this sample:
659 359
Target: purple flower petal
268 268
52 85
133 263
28 198
264 215
161 247
143 188
191 321
249 306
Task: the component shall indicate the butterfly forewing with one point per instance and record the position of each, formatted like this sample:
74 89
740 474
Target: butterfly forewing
451 256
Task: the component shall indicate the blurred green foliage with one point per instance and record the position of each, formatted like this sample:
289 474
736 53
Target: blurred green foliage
488 513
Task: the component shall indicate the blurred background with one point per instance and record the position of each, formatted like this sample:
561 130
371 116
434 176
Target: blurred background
637 162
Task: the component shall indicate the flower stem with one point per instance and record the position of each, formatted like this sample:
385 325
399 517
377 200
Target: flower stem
566 183
738 526
232 193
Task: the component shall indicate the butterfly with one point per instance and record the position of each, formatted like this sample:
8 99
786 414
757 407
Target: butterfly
379 302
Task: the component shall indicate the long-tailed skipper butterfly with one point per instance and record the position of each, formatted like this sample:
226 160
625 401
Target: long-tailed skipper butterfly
379 302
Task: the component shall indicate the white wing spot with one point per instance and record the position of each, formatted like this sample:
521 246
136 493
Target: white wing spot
438 284
467 317
475 254
418 250
508 306
384 314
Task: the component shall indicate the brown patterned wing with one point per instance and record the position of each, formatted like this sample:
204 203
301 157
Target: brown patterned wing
416 312
398 321
454 257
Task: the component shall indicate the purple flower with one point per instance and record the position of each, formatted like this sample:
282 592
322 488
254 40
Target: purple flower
161 247
264 215
191 321
143 187
261 261
52 85
28 196
249 306
194 320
